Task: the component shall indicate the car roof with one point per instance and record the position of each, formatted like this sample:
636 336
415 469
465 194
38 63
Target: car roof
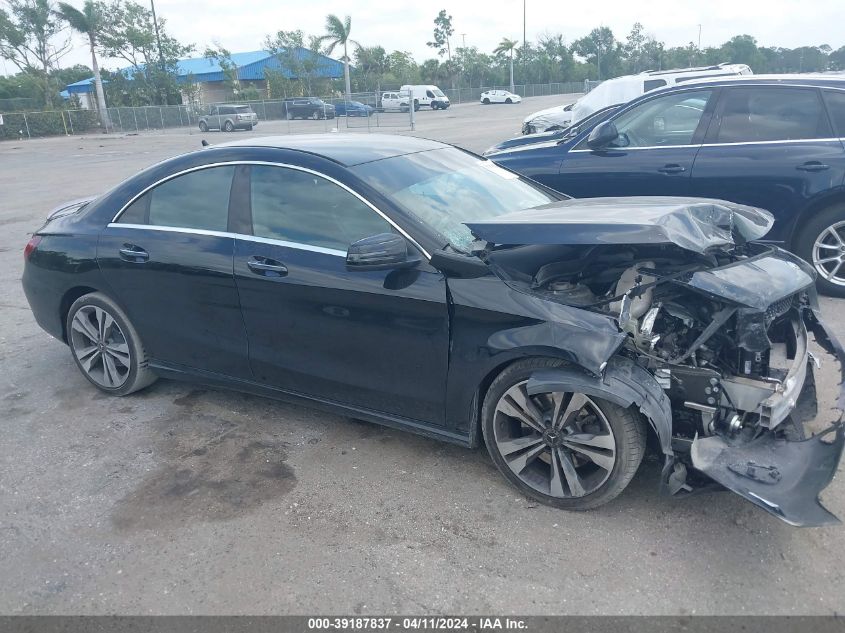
809 79
346 149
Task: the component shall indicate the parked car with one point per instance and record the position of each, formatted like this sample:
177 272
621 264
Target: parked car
499 96
622 90
772 142
428 289
427 95
352 108
395 101
558 136
308 108
228 118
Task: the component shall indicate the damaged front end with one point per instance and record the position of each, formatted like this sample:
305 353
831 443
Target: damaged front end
717 350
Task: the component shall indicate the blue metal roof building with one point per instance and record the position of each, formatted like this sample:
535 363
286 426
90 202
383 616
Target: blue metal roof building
251 66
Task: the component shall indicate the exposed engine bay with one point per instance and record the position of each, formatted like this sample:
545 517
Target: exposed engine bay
695 344
722 331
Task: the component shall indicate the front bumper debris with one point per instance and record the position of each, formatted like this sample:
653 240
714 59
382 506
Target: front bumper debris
784 477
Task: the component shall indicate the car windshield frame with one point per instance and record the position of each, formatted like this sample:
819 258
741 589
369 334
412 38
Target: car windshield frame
430 186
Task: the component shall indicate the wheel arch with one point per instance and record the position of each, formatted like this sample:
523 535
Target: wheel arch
817 205
502 362
67 300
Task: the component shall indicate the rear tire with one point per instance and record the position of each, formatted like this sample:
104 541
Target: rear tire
105 346
228 127
821 242
590 469
203 126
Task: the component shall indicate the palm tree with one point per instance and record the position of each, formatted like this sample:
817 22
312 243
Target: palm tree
507 46
338 33
89 21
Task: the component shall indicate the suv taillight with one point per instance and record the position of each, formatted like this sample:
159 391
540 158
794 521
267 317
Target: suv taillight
31 245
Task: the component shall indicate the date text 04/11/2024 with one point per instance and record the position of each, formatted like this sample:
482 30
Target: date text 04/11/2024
374 623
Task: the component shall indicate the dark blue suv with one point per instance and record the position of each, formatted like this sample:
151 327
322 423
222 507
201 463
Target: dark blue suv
774 142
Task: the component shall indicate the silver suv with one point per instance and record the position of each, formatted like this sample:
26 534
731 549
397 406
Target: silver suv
228 118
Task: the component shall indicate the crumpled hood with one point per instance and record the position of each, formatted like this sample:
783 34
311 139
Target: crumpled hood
695 224
556 115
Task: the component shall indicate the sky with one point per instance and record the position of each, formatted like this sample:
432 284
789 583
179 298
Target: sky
402 25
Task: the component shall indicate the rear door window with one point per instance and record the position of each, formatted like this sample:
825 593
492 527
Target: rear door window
196 200
762 113
836 108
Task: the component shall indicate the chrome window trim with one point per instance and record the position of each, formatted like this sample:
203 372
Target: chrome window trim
786 141
237 236
384 216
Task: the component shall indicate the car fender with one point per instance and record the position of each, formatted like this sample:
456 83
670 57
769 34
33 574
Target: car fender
623 382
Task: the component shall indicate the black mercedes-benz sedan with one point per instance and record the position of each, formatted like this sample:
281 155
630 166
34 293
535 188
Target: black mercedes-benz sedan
411 283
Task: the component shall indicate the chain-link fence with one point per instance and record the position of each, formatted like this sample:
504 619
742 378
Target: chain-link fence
365 112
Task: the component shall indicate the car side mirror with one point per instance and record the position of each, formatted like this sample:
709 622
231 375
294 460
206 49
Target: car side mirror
603 135
384 251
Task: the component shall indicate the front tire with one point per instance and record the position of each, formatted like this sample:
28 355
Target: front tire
821 242
105 346
203 126
571 451
228 126
508 100
486 101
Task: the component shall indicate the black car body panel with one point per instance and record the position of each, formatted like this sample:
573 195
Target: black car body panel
656 306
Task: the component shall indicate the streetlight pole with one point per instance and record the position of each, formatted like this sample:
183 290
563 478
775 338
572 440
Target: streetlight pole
524 44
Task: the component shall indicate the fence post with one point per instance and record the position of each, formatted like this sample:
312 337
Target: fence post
161 115
64 123
147 117
70 120
135 116
26 125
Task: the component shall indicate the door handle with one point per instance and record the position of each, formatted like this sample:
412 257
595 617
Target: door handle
133 254
813 165
672 168
266 266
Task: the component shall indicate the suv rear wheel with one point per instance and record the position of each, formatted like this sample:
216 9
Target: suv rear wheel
822 243
228 126
203 126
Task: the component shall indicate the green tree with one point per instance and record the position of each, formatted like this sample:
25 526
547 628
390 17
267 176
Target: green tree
129 33
89 22
285 46
601 49
337 33
507 46
443 30
373 64
223 58
28 34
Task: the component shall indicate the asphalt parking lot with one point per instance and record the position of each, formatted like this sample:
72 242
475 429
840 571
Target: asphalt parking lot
185 500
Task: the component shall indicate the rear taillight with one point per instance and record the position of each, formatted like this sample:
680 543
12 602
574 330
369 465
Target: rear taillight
31 245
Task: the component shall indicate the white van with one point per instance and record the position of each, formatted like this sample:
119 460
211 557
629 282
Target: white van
622 90
427 95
